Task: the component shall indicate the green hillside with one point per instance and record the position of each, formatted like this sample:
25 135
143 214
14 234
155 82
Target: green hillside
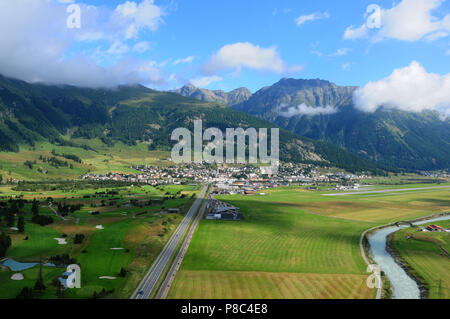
95 123
392 138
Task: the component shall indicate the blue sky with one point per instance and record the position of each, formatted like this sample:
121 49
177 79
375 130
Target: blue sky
233 43
200 28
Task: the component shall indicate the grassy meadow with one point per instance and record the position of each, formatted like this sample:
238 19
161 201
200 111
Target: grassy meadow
294 243
427 254
96 157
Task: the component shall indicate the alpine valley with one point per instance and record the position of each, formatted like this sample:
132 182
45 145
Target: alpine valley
324 111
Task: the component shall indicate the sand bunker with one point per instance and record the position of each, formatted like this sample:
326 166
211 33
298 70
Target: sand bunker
14 228
61 241
99 227
17 277
118 248
107 277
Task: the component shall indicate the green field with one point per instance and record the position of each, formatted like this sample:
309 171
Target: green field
425 254
97 158
141 231
293 236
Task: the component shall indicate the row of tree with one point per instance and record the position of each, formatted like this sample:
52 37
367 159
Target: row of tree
5 243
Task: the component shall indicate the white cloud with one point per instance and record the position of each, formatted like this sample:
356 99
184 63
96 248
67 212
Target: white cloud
409 89
409 20
346 66
142 47
34 47
436 35
135 17
352 33
447 52
205 81
304 109
188 59
118 48
245 55
341 52
311 17
294 69
90 36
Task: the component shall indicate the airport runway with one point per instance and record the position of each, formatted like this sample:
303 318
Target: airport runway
155 272
386 191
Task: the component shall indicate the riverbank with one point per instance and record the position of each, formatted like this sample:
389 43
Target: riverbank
420 281
366 249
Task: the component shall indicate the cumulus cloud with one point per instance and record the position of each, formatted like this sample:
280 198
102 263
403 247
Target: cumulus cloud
34 47
346 66
352 33
142 47
409 20
118 48
246 55
410 89
138 16
341 52
205 81
311 17
304 109
185 60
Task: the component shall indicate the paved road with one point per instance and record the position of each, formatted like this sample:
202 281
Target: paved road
55 212
166 285
155 272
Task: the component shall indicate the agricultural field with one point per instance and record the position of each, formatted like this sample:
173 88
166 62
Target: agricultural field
295 243
132 233
427 255
95 156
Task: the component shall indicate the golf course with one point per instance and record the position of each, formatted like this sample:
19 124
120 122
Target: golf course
114 234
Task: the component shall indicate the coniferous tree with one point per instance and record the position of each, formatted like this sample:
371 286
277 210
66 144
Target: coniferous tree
5 243
35 207
39 285
21 224
25 293
9 218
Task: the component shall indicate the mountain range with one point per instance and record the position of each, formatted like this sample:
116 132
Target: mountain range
324 111
229 98
30 113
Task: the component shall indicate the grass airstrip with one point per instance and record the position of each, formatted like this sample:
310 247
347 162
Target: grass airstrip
296 243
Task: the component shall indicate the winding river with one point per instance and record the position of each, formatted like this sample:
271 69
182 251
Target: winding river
404 287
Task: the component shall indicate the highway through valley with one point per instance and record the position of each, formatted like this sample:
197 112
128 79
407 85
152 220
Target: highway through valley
154 274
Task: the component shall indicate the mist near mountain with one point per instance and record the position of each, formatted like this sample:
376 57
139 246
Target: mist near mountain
67 115
322 110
